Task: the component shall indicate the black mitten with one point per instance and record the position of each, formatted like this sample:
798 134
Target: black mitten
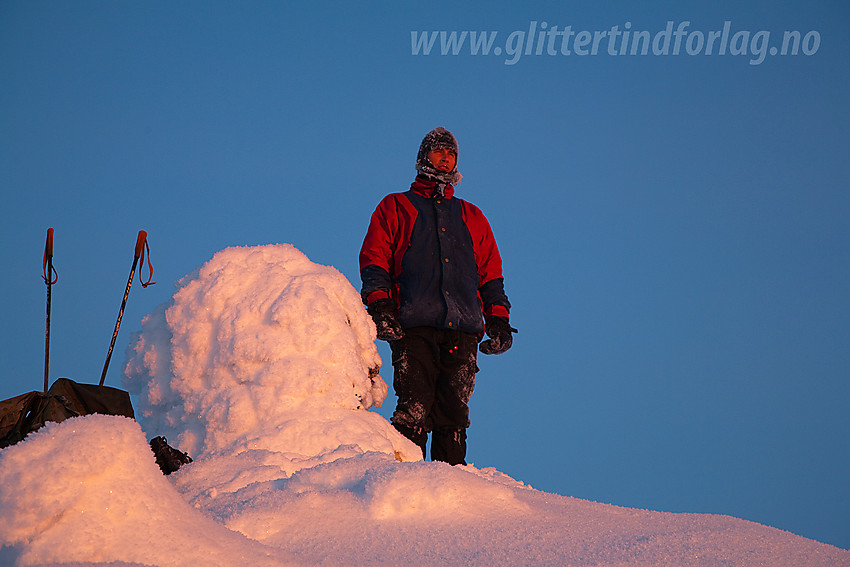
383 314
167 457
499 330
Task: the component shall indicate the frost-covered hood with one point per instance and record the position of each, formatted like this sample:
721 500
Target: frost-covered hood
437 138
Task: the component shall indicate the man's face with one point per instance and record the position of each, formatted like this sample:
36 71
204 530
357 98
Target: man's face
443 159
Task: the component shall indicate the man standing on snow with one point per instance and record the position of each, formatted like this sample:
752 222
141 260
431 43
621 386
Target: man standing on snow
432 282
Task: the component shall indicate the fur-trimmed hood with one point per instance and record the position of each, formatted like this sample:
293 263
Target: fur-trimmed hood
437 138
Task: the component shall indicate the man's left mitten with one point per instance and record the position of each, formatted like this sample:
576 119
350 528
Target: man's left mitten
499 330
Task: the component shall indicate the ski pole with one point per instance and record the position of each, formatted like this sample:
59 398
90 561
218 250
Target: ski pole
140 245
48 274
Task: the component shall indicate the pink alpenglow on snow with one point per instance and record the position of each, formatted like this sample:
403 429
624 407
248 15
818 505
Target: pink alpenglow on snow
263 367
262 349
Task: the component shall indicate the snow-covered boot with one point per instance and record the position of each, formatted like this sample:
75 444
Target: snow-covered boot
415 434
449 445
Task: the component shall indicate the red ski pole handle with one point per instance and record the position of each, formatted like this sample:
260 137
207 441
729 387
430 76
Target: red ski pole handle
140 243
48 246
48 272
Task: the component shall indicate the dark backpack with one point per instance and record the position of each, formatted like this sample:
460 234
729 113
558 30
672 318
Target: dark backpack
21 415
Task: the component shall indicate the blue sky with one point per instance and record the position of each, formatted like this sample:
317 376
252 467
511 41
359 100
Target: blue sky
674 228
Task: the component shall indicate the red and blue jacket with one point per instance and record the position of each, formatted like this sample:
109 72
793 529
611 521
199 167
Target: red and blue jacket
437 257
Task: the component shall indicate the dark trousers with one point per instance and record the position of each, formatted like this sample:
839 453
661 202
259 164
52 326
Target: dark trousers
434 376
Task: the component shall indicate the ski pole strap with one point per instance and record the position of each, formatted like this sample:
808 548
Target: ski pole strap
53 276
142 249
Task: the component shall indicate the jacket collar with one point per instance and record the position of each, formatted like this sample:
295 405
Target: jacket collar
428 189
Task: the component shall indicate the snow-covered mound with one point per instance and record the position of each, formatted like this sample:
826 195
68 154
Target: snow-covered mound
87 490
262 349
263 367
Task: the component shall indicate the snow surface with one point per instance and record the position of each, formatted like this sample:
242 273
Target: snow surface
263 367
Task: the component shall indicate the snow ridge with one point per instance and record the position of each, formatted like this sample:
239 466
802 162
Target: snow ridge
263 367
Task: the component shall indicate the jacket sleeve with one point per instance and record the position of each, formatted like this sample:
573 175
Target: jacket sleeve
494 299
377 252
491 282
